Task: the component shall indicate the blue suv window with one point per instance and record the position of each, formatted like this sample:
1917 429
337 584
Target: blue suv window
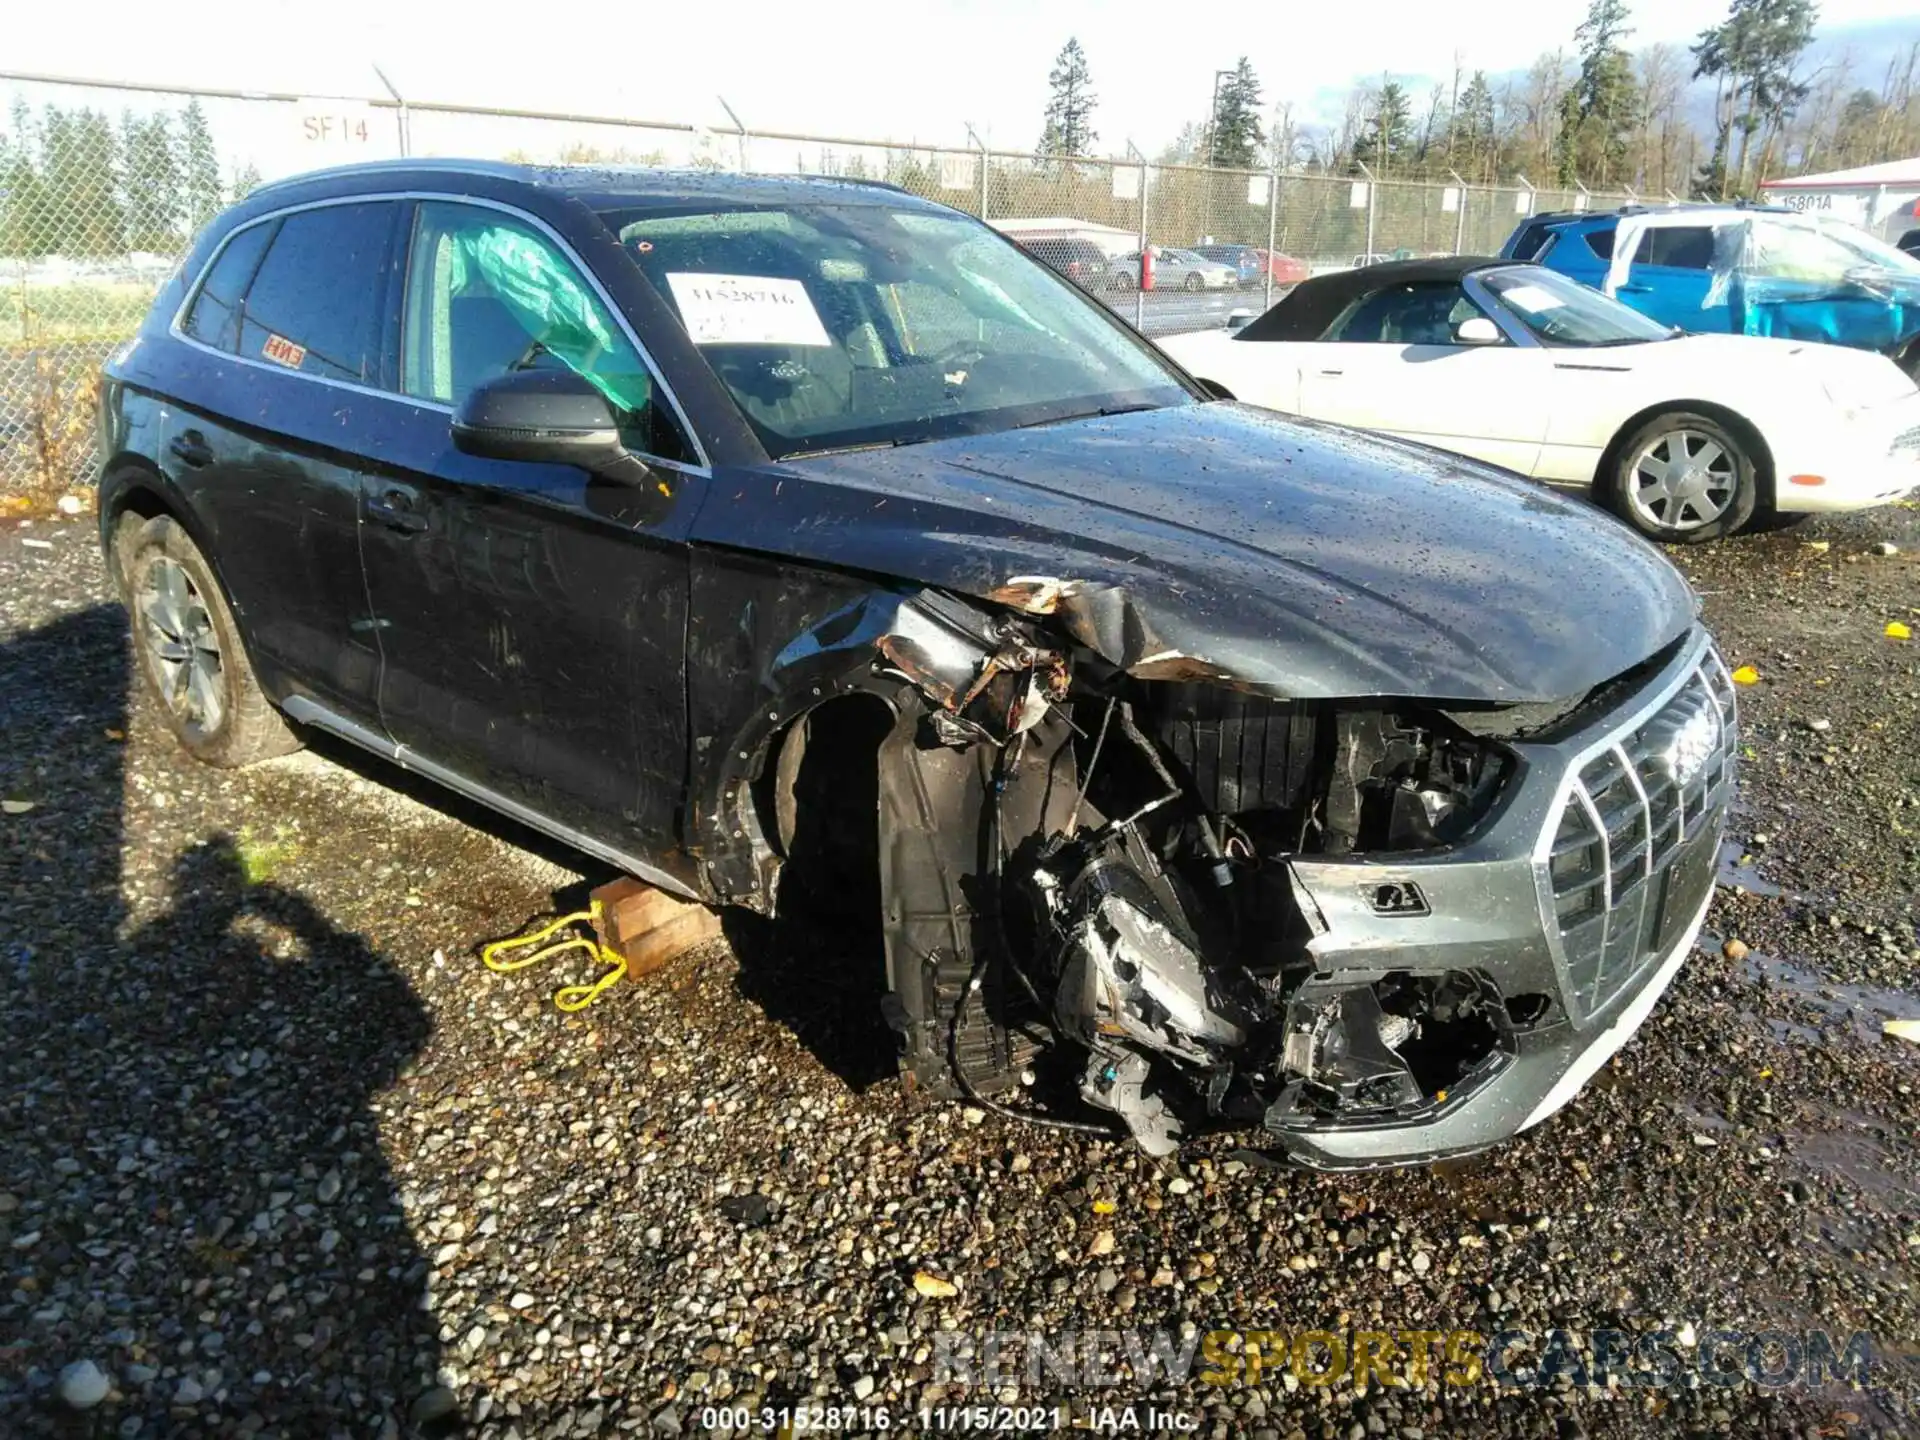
215 317
1681 247
314 304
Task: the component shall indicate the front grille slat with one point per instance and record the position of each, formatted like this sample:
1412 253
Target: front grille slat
1633 810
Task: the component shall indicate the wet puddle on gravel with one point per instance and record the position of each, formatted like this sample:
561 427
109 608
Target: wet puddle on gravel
1866 1007
1739 871
1854 1155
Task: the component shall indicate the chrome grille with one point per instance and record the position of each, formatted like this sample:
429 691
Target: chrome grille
1629 827
1907 440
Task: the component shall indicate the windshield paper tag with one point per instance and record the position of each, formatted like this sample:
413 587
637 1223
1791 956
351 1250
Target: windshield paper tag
746 310
1531 298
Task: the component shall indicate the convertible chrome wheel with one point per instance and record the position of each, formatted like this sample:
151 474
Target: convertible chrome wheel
180 636
1682 480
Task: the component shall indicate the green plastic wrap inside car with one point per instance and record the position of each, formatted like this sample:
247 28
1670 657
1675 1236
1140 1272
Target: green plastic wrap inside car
549 301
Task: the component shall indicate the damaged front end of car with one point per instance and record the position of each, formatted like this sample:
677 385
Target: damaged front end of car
1379 929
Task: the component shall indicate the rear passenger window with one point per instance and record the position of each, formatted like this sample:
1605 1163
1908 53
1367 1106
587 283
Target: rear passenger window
315 300
1683 247
215 317
1600 242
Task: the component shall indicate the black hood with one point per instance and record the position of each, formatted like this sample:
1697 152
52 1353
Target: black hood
1301 559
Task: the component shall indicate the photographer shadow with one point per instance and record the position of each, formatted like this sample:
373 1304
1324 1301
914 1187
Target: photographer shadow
187 1111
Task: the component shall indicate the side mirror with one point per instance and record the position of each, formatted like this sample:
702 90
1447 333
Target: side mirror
555 417
1477 330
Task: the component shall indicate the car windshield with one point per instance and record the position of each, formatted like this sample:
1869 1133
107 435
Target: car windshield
1814 249
1560 311
844 325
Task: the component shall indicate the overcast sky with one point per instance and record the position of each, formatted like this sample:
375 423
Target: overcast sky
889 68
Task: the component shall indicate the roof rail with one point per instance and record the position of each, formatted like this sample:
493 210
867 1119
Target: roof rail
499 169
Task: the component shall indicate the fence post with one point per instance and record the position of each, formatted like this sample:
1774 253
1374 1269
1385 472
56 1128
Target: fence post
1140 291
1140 269
986 166
1460 219
739 130
1273 223
401 127
1373 187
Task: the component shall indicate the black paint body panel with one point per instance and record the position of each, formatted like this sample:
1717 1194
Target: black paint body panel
617 657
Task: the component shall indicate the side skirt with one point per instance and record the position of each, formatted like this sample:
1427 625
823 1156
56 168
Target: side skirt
307 711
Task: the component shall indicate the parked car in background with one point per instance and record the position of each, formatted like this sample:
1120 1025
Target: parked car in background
1741 270
1256 266
787 542
1244 259
1285 269
1175 270
1685 437
1081 261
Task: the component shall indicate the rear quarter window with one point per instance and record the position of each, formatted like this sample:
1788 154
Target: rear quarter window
1600 242
1530 241
316 298
215 317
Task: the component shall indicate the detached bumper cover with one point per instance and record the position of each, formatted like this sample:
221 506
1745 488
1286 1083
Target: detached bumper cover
1588 889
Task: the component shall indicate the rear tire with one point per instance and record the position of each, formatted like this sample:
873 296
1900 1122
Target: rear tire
1195 284
1682 478
190 651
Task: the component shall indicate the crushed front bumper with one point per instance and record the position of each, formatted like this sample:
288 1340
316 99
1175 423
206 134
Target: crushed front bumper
1578 901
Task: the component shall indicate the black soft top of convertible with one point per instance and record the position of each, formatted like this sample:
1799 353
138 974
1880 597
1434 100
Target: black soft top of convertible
1305 312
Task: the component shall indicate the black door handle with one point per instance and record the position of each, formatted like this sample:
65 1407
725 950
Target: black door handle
394 509
190 448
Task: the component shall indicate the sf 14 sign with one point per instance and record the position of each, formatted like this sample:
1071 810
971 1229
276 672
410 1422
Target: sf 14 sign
345 128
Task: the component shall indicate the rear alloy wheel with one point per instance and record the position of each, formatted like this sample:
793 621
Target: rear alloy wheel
1682 478
1194 282
190 651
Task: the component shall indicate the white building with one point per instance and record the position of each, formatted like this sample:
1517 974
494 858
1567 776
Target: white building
1110 238
1878 198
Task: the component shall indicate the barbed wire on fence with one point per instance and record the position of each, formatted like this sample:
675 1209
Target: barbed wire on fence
103 186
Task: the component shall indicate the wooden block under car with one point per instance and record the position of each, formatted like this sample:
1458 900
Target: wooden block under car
649 926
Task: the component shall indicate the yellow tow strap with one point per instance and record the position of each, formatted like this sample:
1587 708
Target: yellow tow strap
498 956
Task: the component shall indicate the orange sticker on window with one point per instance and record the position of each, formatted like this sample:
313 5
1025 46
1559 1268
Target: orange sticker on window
283 351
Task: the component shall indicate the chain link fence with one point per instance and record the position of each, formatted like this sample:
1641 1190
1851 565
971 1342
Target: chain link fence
102 188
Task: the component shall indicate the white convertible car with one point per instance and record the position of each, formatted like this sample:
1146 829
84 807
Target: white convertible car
1684 436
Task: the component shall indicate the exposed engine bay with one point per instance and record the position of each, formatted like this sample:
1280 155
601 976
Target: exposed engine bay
1128 915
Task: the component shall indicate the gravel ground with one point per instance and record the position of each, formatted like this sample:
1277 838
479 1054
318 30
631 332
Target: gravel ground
278 1156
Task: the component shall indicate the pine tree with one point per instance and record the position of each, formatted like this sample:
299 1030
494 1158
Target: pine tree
247 178
1069 121
1751 54
151 170
1599 112
1387 139
200 168
78 168
24 217
1236 139
1473 129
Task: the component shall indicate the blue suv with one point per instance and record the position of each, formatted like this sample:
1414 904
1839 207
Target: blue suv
1739 269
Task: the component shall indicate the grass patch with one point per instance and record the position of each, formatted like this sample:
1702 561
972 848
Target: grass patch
262 859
